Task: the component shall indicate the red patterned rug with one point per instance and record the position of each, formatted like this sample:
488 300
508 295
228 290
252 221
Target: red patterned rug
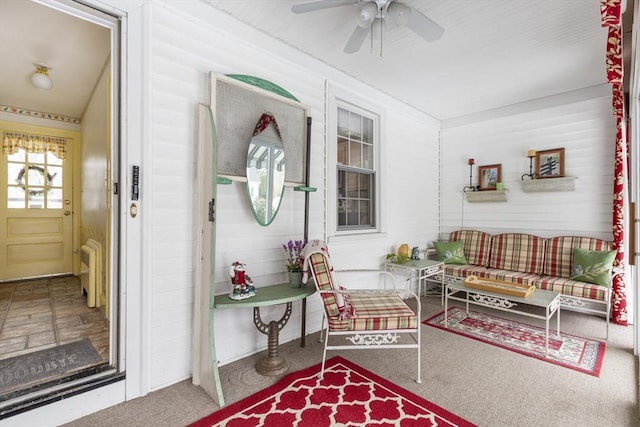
348 396
571 351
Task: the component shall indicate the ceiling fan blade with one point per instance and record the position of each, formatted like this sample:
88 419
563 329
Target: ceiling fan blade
320 4
357 38
424 27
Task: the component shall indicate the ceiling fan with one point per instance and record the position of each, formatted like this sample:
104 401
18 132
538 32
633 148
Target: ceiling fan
371 13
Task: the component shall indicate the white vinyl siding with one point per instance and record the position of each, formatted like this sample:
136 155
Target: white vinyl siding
585 129
187 43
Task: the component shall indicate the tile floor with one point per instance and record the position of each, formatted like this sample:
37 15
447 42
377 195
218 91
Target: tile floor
43 313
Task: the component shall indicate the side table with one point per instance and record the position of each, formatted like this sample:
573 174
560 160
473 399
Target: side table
421 269
273 363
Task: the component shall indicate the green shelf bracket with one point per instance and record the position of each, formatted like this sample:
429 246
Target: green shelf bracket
303 188
223 180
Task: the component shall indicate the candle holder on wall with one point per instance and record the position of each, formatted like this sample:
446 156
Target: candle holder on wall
470 187
532 175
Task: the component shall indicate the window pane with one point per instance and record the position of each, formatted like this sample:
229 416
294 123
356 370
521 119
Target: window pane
54 199
343 151
36 198
19 157
355 126
367 130
343 122
355 157
367 156
35 176
342 219
364 213
352 214
342 187
52 159
14 174
365 181
352 185
54 176
342 202
36 157
15 198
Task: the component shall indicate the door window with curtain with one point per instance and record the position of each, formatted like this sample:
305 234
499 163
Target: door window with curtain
34 170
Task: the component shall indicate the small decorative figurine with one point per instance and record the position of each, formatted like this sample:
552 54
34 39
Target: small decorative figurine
415 253
241 282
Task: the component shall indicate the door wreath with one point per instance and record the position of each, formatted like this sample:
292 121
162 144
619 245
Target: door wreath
40 169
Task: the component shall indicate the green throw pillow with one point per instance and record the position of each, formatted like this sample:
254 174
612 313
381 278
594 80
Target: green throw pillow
592 266
450 252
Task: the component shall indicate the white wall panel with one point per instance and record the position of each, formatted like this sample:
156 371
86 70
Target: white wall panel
413 183
587 132
186 45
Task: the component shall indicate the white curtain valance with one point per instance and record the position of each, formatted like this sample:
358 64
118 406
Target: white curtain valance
32 143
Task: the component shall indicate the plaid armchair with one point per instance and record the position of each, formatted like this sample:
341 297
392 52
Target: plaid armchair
368 318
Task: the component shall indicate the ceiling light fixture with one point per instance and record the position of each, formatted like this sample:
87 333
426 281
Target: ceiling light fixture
399 14
374 15
40 77
367 14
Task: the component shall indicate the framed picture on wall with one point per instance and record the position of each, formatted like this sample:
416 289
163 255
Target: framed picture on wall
489 176
550 163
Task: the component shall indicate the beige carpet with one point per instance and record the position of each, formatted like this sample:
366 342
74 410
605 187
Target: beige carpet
486 385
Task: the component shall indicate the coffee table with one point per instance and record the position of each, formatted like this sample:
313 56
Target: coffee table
541 304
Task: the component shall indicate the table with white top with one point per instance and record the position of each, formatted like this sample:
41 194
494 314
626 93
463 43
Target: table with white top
541 304
420 270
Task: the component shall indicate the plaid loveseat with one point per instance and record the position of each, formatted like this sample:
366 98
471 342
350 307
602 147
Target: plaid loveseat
528 259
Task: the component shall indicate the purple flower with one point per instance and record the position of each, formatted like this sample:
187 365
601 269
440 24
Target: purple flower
294 249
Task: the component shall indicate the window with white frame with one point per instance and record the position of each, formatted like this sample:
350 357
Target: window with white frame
356 169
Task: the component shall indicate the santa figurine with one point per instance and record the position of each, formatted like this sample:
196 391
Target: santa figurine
241 282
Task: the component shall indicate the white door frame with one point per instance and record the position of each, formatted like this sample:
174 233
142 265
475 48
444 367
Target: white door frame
131 122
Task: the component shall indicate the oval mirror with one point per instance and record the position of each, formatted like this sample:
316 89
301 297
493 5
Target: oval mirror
265 169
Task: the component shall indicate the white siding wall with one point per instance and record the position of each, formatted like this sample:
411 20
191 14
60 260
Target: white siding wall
585 129
186 44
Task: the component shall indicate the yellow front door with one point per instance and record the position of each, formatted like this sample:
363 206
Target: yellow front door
37 215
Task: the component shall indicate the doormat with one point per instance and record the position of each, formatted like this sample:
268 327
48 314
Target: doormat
25 370
571 351
348 395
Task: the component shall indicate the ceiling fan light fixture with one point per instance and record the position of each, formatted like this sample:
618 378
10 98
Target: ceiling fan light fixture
398 13
367 14
373 17
41 79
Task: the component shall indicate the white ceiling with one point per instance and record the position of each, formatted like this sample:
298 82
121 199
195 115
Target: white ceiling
74 49
493 53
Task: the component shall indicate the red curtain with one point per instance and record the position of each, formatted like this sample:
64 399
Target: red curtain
611 13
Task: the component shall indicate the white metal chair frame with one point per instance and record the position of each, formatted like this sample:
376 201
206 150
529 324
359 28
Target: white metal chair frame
371 338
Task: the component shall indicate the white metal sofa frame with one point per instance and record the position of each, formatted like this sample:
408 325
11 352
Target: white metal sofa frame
368 318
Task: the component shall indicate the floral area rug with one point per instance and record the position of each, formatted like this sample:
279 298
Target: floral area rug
348 395
571 351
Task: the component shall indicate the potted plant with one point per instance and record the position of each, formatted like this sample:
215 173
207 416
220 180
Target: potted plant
294 249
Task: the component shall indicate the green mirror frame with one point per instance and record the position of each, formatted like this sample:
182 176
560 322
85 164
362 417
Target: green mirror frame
265 170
